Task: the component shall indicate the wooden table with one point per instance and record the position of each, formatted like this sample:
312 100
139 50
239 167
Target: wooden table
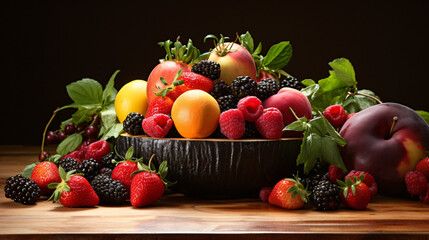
178 217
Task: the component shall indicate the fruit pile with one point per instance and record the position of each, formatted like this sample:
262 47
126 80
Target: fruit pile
353 145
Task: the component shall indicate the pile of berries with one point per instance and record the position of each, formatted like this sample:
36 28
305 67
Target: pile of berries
417 181
324 189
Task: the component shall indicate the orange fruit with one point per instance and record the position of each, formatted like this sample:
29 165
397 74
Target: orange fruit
195 114
131 98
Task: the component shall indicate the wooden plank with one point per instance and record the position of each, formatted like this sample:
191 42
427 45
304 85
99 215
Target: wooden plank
178 217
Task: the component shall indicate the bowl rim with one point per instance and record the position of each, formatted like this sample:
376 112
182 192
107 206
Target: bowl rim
211 139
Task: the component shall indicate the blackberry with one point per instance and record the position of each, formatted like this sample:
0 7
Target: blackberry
221 88
106 160
207 68
251 131
133 124
318 173
22 189
108 190
68 164
90 168
267 88
243 87
227 102
326 196
106 171
292 83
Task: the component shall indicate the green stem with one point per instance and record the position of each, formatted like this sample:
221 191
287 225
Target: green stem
46 129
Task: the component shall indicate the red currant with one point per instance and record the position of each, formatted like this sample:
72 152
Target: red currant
91 132
70 128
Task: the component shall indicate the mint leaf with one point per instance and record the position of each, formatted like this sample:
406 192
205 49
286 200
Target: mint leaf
113 131
28 170
333 89
355 103
298 125
54 158
320 141
246 40
85 91
308 82
108 118
69 144
424 114
109 87
278 55
84 115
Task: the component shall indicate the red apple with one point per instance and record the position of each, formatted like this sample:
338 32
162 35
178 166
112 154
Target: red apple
234 61
167 70
384 147
288 98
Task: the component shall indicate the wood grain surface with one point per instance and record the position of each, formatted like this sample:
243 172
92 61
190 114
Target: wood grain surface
178 217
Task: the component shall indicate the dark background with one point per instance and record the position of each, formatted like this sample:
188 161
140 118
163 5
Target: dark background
46 45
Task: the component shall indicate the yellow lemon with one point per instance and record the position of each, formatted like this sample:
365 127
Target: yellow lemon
131 98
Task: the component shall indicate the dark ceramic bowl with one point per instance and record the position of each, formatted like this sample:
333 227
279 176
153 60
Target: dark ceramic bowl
218 168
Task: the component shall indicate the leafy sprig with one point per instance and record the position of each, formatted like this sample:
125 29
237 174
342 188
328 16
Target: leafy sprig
186 53
320 141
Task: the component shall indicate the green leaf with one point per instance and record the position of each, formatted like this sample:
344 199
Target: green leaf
113 131
108 118
28 170
54 158
424 114
163 170
357 103
257 50
84 114
63 173
333 89
69 144
278 56
129 153
85 91
298 125
109 87
308 82
246 40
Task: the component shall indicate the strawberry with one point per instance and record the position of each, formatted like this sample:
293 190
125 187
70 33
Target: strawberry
196 81
368 180
122 172
355 193
178 90
289 193
73 191
45 173
159 105
148 185
335 173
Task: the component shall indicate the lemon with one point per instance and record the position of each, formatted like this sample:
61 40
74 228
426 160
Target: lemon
131 98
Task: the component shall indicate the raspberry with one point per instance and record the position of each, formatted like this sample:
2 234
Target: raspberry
251 107
335 173
336 115
74 154
232 124
423 167
350 115
264 193
368 180
425 197
270 123
97 150
416 182
158 125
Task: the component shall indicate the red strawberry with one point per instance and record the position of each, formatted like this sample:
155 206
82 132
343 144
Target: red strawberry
74 191
45 173
196 81
159 105
423 167
368 180
288 193
122 172
178 90
356 194
148 185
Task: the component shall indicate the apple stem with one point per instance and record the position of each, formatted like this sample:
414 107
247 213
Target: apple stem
395 120
366 95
